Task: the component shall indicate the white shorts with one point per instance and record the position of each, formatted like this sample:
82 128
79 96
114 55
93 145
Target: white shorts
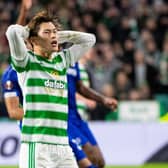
38 155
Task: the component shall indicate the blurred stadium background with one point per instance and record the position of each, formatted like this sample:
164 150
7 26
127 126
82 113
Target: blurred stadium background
129 62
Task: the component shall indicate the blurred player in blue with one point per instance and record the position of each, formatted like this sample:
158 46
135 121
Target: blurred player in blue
12 94
82 141
11 90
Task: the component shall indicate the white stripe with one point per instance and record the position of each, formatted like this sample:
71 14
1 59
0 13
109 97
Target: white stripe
81 103
10 94
81 111
86 83
34 74
47 107
81 66
48 91
45 123
45 139
83 74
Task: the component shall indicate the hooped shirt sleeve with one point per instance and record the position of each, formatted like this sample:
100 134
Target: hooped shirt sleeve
16 35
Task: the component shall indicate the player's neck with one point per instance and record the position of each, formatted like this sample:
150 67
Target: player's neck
41 52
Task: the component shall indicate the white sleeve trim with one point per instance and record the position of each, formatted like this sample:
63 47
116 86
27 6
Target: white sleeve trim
10 94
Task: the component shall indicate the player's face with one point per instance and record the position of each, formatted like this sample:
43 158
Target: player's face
48 36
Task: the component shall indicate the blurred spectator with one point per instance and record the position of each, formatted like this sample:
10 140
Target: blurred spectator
124 29
102 71
134 95
144 73
118 51
103 34
129 49
152 53
145 92
122 85
164 64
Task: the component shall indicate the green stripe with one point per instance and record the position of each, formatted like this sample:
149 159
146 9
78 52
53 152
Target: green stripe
83 70
35 98
85 79
38 67
33 155
20 69
46 114
30 152
57 59
44 130
81 107
41 82
29 155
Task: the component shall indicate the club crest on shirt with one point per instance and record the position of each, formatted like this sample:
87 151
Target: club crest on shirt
8 85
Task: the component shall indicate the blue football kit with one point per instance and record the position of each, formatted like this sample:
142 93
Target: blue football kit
10 85
78 130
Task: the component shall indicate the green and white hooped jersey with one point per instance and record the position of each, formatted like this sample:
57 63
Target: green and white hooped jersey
81 106
44 86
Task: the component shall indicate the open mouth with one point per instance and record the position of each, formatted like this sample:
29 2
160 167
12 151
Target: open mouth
54 43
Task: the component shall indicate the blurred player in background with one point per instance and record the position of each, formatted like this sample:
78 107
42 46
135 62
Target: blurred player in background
42 76
81 139
83 104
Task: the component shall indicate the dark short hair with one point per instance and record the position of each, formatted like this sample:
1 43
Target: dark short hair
41 17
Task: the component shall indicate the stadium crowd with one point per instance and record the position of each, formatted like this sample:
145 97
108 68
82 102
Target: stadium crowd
130 59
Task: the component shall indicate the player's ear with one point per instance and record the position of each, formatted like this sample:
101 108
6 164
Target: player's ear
28 44
33 40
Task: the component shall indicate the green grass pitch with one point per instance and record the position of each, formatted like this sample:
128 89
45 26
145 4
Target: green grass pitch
144 166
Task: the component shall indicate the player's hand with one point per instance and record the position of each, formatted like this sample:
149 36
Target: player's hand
27 4
110 102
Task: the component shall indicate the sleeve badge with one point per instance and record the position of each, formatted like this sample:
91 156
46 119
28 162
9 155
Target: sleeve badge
8 85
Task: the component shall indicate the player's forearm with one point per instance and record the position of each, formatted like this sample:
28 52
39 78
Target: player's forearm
22 16
90 93
88 102
76 37
16 113
82 42
16 34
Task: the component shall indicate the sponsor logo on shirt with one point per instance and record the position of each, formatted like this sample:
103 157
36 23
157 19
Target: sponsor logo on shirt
54 84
